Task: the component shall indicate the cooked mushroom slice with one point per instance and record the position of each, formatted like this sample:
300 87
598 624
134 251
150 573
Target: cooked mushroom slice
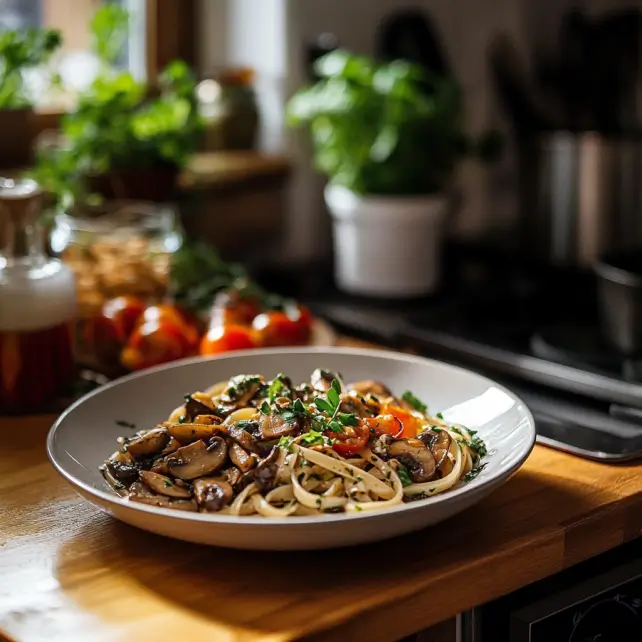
189 433
212 494
195 407
354 403
275 426
416 457
240 458
439 443
231 475
264 475
241 390
197 459
148 443
163 502
164 485
241 435
321 380
305 392
123 473
371 387
172 445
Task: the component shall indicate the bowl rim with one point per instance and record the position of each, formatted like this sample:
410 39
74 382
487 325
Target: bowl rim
475 486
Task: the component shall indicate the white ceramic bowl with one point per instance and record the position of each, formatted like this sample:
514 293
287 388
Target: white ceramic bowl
85 435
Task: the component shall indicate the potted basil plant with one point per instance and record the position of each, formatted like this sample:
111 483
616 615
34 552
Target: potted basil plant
390 140
20 51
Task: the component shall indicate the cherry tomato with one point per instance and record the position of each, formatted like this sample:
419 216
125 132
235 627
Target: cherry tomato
385 425
277 329
225 338
124 313
155 342
100 340
351 441
411 424
173 315
230 308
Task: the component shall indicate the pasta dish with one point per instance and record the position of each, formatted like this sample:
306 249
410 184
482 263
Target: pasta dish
251 446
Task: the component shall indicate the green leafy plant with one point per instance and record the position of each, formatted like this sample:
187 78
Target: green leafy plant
385 129
21 50
118 124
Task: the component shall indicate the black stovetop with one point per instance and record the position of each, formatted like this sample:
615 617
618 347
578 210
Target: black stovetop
534 329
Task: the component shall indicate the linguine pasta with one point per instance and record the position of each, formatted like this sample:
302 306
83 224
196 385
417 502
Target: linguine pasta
251 446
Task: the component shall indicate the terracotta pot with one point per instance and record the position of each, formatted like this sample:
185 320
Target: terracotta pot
156 184
16 136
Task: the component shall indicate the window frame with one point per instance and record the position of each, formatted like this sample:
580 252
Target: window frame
170 33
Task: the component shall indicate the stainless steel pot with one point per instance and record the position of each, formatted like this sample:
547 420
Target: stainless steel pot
581 196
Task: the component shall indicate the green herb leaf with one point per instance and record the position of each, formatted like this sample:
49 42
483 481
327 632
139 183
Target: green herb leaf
404 476
439 415
313 438
323 405
336 386
285 442
125 424
335 426
265 408
410 398
298 406
333 398
348 419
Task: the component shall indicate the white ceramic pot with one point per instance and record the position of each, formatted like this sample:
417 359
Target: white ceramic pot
386 246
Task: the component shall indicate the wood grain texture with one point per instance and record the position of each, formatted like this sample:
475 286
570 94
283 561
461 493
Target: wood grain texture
70 573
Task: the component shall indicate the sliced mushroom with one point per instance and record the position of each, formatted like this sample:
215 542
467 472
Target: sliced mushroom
321 379
354 403
305 392
189 433
230 474
197 459
123 473
371 387
274 426
242 437
240 458
164 502
148 443
164 485
439 443
381 444
416 457
264 475
172 445
212 494
195 407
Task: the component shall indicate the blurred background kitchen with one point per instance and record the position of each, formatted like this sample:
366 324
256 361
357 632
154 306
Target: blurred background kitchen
462 178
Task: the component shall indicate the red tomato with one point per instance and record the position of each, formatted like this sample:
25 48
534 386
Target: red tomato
124 313
410 423
277 329
226 338
155 342
351 441
230 308
100 340
172 315
385 425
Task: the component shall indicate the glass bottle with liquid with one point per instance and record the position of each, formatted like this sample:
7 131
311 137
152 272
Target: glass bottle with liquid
37 307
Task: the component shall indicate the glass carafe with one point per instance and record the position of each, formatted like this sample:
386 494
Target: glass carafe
37 306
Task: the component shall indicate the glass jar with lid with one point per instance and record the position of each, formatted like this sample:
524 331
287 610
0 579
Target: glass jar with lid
120 248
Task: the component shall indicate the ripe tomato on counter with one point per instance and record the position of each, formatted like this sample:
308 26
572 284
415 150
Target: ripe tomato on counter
157 341
124 313
226 338
232 308
291 327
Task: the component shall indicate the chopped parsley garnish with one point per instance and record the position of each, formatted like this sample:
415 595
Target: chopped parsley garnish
417 404
439 415
479 447
404 476
314 438
240 384
265 408
125 424
358 508
285 442
474 472
167 483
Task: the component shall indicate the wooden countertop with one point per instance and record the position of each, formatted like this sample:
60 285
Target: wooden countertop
70 573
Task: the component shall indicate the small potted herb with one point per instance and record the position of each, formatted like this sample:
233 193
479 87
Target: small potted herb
124 140
390 139
20 51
